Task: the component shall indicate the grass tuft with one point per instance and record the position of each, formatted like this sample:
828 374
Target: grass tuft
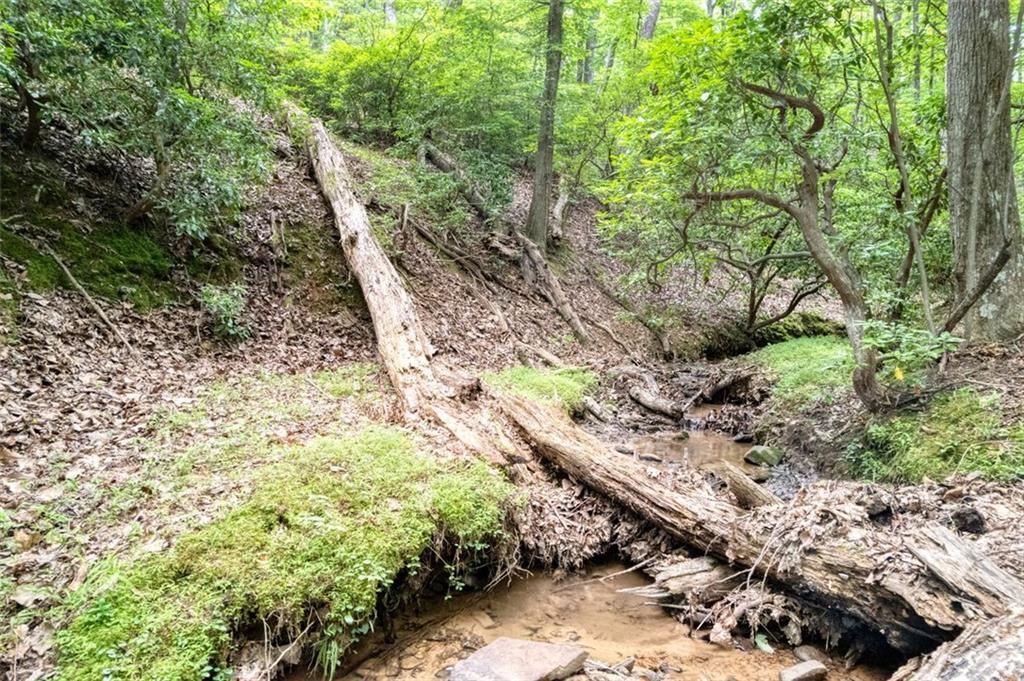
958 432
808 370
565 388
324 531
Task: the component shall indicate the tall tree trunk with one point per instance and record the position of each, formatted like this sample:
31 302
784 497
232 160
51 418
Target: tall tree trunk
537 218
390 15
651 20
982 201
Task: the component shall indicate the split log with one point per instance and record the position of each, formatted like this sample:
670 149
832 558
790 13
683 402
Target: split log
537 272
698 580
988 650
447 164
748 493
871 575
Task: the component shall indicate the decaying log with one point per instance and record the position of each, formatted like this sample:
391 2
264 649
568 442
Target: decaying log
698 580
447 164
748 493
401 341
537 272
595 408
874 577
654 402
990 650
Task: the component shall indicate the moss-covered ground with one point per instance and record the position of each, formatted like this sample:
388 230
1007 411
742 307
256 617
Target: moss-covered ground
322 533
807 371
565 388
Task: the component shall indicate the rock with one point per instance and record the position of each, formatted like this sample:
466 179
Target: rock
650 457
812 670
762 455
807 653
510 659
759 473
743 437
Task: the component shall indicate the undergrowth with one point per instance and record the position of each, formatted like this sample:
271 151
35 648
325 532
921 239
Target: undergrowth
565 388
323 532
807 370
958 432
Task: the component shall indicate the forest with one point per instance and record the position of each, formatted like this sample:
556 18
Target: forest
511 340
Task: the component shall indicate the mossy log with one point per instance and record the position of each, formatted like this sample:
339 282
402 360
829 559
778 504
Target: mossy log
879 578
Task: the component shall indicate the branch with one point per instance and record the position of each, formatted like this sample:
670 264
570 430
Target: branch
798 296
744 194
793 102
987 277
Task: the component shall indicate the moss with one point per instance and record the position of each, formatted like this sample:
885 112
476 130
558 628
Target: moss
807 370
10 308
351 380
111 261
563 387
798 325
958 432
326 529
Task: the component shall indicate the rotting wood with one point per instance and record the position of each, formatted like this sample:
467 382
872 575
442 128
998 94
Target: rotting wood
699 580
872 576
559 212
653 402
990 650
748 493
538 273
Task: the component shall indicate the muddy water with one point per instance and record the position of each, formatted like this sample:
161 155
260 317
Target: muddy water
579 610
699 449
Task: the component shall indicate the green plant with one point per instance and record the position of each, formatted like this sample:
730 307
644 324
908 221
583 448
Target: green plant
225 305
906 348
958 432
565 388
807 370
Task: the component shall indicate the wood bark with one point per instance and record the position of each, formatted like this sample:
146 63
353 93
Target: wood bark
537 273
537 217
877 578
650 19
982 198
748 493
558 215
992 650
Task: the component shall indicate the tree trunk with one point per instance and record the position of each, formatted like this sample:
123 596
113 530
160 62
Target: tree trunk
982 201
991 650
390 15
537 218
651 19
879 578
559 213
446 163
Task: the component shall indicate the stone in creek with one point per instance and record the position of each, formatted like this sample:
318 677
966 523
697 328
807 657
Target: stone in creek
762 455
510 659
807 653
812 670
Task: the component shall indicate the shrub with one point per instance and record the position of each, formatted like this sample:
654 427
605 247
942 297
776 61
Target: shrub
225 305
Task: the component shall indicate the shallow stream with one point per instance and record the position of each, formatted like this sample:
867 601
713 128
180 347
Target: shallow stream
582 610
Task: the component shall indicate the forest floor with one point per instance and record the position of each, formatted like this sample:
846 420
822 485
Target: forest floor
110 452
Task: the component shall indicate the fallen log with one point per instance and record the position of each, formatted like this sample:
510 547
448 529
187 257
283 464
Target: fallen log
748 493
651 401
447 164
869 574
991 650
537 273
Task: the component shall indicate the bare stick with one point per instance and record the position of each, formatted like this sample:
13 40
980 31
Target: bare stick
89 299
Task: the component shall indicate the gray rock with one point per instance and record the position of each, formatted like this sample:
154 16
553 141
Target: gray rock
759 473
812 670
762 455
806 653
510 659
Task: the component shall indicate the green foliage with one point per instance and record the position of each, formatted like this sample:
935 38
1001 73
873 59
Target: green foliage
226 305
957 433
565 388
807 370
326 529
908 349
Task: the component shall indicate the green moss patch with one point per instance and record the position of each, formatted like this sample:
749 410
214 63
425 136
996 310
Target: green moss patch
808 370
958 432
565 388
323 532
111 261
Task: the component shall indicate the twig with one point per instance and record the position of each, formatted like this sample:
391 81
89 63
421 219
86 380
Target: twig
89 299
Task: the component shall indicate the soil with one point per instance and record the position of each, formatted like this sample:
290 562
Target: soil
582 610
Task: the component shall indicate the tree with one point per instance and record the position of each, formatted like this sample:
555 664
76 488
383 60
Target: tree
984 220
537 218
651 20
